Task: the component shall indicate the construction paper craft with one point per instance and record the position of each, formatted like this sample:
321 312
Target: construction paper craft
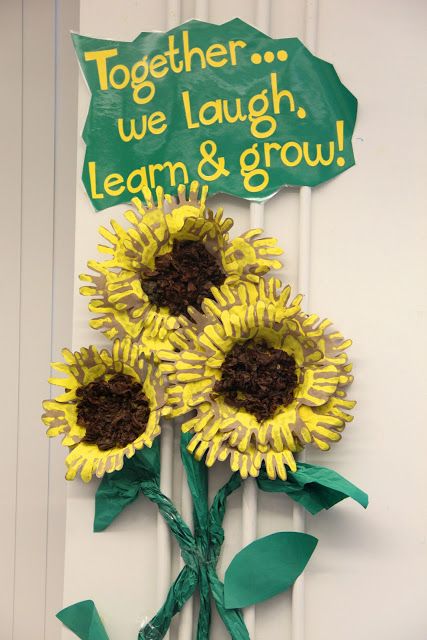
312 406
266 567
314 487
117 490
111 406
225 104
261 378
151 274
83 619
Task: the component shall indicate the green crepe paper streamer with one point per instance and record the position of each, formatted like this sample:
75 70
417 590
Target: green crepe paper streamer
181 590
186 582
83 619
200 553
232 618
120 488
314 487
209 536
267 567
197 479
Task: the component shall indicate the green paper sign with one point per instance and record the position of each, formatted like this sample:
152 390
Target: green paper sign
225 105
266 567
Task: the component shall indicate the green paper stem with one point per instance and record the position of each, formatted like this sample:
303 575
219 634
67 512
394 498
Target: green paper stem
205 614
200 551
232 618
173 519
217 512
209 536
181 591
197 479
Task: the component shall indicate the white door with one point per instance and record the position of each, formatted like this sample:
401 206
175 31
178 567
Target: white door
367 272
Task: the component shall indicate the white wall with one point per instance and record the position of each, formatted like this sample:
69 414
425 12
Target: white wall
38 110
367 272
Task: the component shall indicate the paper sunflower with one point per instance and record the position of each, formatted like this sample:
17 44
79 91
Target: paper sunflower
111 407
265 378
169 259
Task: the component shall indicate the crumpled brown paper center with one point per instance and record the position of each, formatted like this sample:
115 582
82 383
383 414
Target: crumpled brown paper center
257 378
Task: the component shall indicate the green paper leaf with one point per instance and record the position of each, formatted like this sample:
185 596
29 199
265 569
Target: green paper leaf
120 488
314 487
266 567
83 619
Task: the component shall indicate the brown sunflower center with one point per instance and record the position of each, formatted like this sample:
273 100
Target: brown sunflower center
114 412
183 277
257 378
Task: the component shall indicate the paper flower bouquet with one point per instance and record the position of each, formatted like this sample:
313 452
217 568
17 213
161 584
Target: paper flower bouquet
201 330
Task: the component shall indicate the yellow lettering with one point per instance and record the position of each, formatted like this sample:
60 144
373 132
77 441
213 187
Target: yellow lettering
141 173
261 120
284 157
216 116
250 170
190 52
100 57
140 82
172 170
278 95
259 97
92 180
319 157
133 134
157 62
138 87
126 76
208 151
111 181
173 167
237 114
257 115
141 64
152 169
171 53
151 123
187 111
267 148
235 44
156 119
214 51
